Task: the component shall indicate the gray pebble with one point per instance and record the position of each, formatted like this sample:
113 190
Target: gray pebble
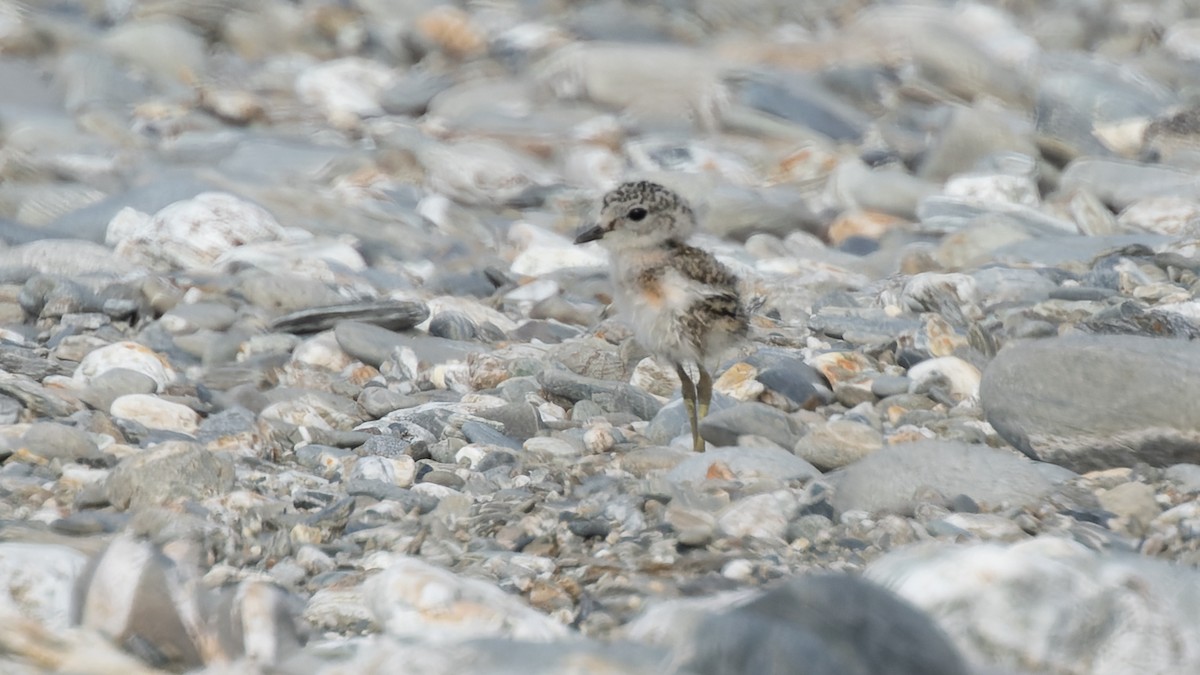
453 326
1186 477
611 396
58 441
520 420
388 314
890 385
168 472
724 426
477 432
373 344
889 479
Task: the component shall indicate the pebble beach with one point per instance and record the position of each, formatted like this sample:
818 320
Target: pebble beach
302 374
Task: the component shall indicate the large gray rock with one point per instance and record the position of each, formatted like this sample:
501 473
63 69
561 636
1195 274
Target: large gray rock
1053 606
896 477
821 624
1096 402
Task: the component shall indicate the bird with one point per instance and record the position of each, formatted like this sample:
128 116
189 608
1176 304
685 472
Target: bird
681 302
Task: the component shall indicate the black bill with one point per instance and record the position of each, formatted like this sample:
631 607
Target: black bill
591 234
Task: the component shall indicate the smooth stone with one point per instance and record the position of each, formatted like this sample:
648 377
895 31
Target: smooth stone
520 420
379 401
893 478
959 379
413 599
801 99
986 526
1080 99
37 581
950 213
1081 293
110 385
617 22
45 297
1060 250
289 294
834 624
1040 585
862 326
477 432
168 472
488 656
235 430
344 88
890 385
485 173
796 383
272 160
890 191
153 412
1120 183
838 443
1186 477
747 464
10 410
168 240
613 397
127 356
393 315
374 345
199 315
134 594
671 420
735 212
968 135
761 516
41 401
411 93
453 326
27 83
65 256
261 619
608 74
591 357
725 426
92 221
693 527
1096 402
653 460
400 471
28 362
165 47
59 441
385 445
1133 503
406 498
551 447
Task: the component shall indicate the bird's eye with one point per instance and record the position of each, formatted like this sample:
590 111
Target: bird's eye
636 214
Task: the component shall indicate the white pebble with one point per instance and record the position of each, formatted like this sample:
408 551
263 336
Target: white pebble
155 413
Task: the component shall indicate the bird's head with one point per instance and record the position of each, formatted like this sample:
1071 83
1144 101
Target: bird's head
640 214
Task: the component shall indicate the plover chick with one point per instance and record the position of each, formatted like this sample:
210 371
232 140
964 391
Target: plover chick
682 303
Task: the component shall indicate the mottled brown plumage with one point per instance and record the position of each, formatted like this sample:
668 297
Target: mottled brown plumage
683 304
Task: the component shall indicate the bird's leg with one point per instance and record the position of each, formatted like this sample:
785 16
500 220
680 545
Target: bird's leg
688 390
703 392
